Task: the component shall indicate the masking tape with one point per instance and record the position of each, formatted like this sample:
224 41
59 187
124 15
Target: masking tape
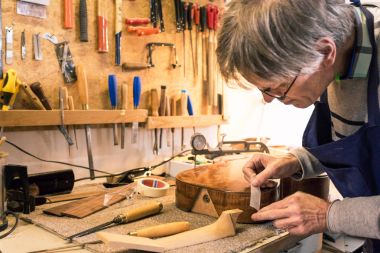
152 187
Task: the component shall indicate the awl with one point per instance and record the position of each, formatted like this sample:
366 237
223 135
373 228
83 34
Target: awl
83 97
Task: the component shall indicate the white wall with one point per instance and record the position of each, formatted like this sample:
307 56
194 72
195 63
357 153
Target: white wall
248 117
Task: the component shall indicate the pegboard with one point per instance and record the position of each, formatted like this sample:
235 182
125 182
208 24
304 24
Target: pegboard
100 65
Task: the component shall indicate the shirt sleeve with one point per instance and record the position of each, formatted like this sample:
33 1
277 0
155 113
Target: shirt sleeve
355 216
310 165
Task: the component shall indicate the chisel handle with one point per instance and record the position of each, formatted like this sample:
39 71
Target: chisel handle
82 86
132 66
124 96
102 28
68 16
70 101
136 91
162 230
154 102
112 89
65 97
143 211
83 21
190 110
162 101
183 103
137 21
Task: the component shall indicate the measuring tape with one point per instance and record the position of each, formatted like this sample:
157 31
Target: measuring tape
152 187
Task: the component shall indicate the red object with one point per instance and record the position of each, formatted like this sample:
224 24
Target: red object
68 17
196 14
102 35
210 16
137 21
216 16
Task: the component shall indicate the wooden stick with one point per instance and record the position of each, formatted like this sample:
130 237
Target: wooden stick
223 227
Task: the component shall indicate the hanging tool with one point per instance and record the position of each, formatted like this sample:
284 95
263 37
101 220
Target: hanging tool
1 41
167 113
68 17
190 110
198 42
8 44
137 21
102 27
23 46
146 210
183 113
203 22
118 29
173 112
62 127
177 6
214 63
142 30
83 23
37 47
131 66
211 9
190 19
39 92
9 88
35 100
112 90
70 101
153 12
156 14
162 109
154 109
83 97
136 102
124 106
66 63
183 12
161 16
152 45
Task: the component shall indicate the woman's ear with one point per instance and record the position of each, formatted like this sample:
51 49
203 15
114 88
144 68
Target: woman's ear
327 47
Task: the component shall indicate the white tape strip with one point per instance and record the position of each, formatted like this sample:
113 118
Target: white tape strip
152 187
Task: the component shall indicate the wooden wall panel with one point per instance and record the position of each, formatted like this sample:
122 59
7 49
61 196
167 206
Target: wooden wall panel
99 65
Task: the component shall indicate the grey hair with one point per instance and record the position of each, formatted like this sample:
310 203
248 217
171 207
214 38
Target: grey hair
276 39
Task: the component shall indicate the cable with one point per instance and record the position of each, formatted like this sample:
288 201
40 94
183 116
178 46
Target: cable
58 162
14 226
140 168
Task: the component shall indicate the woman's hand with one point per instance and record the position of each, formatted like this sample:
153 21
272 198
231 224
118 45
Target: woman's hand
262 167
300 214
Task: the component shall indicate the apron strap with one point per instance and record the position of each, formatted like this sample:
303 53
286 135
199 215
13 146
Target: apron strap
373 77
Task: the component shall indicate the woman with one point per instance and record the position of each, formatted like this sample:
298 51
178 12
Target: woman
324 52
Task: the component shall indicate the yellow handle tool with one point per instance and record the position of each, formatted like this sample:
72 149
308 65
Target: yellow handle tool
9 89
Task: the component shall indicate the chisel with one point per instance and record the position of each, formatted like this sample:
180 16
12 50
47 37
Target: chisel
136 102
118 29
146 210
83 25
112 90
23 46
183 113
83 97
68 16
210 55
162 108
154 110
102 28
173 112
70 102
124 106
167 113
190 18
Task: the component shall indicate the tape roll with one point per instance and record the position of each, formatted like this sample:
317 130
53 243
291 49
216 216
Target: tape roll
152 187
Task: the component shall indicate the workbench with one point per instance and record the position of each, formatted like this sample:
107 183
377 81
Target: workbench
249 238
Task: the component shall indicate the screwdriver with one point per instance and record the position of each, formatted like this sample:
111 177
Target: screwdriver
136 102
130 215
112 91
124 106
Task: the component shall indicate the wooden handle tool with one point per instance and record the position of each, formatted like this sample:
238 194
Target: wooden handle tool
68 16
102 28
162 230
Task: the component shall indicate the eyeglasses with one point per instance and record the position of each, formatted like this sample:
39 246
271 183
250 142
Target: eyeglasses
279 97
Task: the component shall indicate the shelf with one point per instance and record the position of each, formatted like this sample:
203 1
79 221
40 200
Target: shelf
184 121
77 117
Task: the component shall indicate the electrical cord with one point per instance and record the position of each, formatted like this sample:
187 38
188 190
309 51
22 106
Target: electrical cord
58 162
140 168
14 226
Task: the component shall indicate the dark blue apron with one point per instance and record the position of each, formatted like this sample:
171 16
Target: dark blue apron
352 163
